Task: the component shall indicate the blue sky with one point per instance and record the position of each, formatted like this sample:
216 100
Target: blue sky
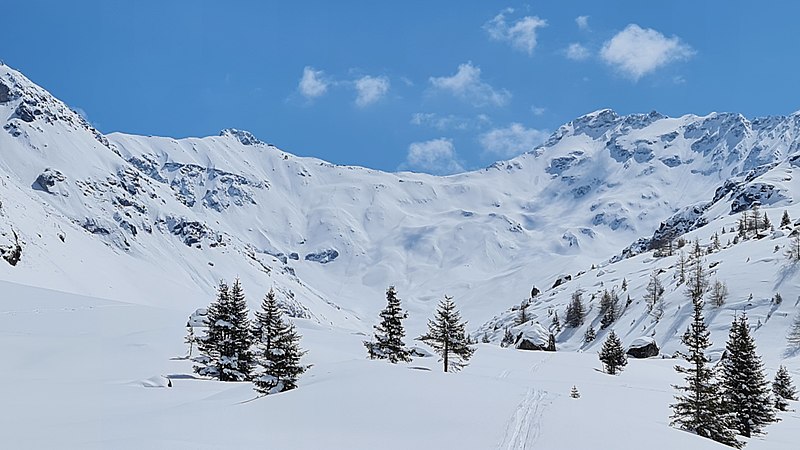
437 86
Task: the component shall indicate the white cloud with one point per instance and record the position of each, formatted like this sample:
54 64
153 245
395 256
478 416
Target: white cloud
437 156
467 85
370 89
637 51
521 34
512 140
577 52
450 121
538 110
313 83
583 22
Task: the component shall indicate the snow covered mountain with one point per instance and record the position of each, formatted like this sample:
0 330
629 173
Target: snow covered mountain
156 221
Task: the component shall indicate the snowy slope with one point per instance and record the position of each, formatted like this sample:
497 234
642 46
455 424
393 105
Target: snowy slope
152 223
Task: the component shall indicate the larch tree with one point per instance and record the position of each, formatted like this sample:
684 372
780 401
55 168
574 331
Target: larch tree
718 293
654 292
389 333
745 389
447 336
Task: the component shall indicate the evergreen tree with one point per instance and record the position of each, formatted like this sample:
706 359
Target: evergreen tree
574 316
225 347
609 306
715 242
700 409
551 343
388 343
786 221
612 355
555 324
765 223
718 293
590 335
446 334
278 349
783 389
654 291
624 284
742 226
574 392
745 390
755 219
508 338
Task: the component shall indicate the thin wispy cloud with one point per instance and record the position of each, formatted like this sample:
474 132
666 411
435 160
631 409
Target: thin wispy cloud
370 89
436 156
582 22
512 140
521 34
466 84
577 52
636 51
443 122
313 83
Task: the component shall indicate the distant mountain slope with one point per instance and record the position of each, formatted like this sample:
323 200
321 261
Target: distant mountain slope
158 220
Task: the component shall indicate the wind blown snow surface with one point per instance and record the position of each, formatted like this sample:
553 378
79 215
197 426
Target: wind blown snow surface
120 238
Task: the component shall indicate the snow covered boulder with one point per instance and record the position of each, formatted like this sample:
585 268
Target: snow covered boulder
643 347
531 336
48 181
157 381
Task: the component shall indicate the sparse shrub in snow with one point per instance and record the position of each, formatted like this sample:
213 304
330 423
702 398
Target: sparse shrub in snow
777 299
522 314
278 351
388 343
745 390
654 293
447 335
225 347
508 338
612 355
701 410
783 389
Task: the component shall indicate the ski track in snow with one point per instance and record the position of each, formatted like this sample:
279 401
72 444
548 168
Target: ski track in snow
524 426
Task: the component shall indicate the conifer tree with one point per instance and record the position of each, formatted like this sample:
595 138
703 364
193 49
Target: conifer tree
609 307
388 343
278 350
786 221
225 347
793 339
555 324
508 338
624 286
745 390
446 334
590 334
612 355
718 293
551 343
783 389
654 291
574 316
765 223
756 219
574 392
700 410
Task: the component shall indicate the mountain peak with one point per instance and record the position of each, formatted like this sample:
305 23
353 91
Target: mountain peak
243 136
